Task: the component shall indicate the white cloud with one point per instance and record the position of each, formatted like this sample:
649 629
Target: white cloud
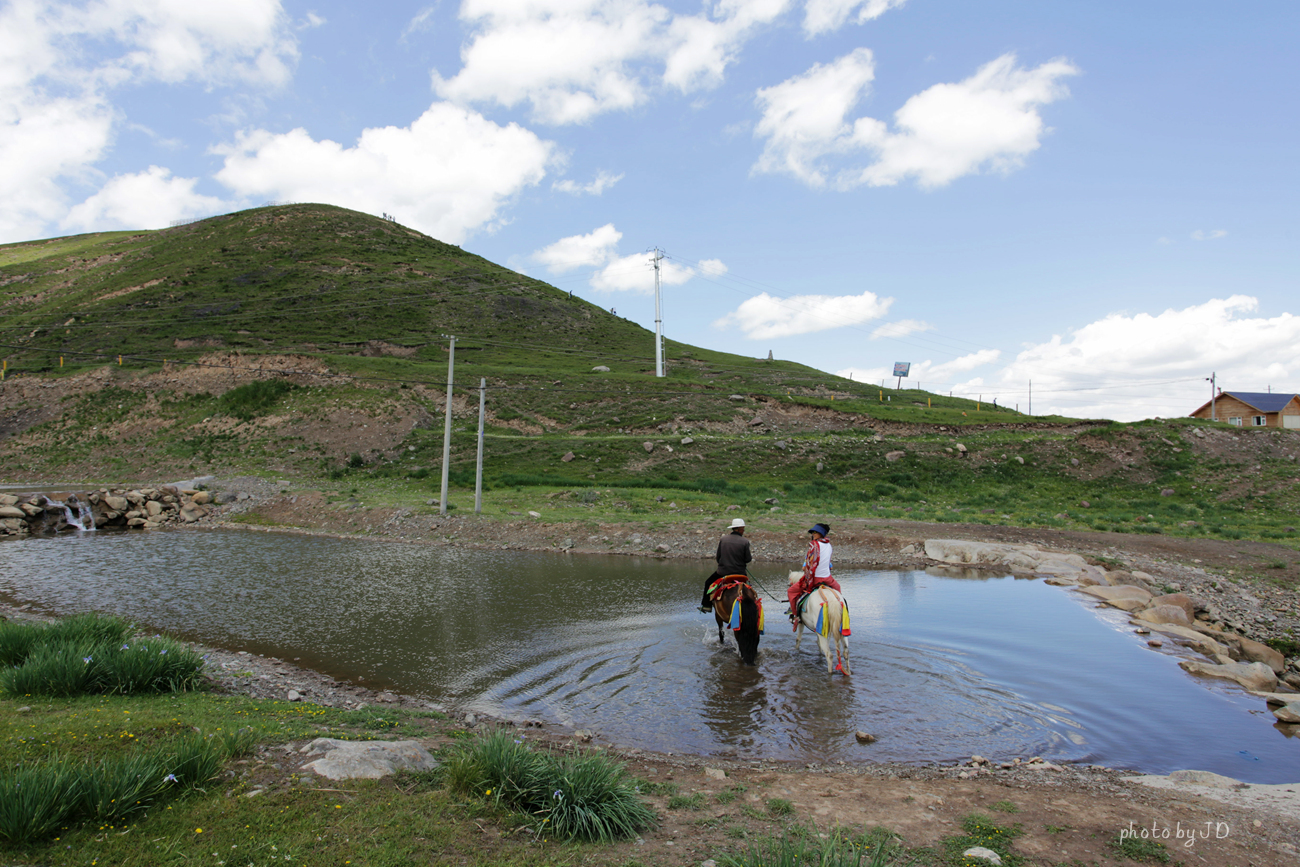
989 122
144 200
636 273
901 328
60 65
1248 354
1211 235
713 267
577 251
763 316
234 40
633 273
803 117
821 16
447 174
571 60
603 181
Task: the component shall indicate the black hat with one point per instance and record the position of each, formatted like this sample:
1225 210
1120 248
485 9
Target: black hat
820 528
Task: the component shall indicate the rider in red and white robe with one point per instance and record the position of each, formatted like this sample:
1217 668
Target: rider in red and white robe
816 568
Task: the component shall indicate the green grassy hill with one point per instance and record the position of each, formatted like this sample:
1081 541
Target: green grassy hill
309 339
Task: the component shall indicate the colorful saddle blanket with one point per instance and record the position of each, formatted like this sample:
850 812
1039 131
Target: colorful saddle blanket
823 625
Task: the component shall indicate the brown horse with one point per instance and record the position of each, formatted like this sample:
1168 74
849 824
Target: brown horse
748 633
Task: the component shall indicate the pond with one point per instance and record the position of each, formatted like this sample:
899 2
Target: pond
944 667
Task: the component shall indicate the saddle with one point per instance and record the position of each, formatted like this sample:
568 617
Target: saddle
725 583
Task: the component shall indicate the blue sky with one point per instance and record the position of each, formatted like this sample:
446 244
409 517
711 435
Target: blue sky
1099 198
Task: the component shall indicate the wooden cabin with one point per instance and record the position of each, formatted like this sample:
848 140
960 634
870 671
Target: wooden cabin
1254 409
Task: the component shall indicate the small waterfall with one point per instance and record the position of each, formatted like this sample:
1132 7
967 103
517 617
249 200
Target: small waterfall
82 521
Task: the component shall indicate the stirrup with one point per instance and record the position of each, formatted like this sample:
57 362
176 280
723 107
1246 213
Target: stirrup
705 610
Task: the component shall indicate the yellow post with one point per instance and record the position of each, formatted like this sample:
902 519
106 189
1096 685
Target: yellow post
119 361
977 406
927 403
60 361
882 395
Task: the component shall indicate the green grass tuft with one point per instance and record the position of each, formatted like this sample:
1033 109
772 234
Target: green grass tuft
580 797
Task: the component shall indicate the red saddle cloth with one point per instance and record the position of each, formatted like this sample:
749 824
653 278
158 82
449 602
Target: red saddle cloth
726 582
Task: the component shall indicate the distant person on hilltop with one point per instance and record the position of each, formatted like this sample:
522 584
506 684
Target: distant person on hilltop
732 556
816 569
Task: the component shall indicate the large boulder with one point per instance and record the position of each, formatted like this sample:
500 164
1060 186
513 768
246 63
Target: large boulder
1289 713
1165 614
367 760
12 512
1202 641
1254 676
1257 652
1122 591
1179 599
117 504
959 552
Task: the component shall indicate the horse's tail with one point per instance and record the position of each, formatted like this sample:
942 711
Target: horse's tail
747 635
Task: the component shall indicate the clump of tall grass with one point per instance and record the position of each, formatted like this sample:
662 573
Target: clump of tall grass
580 797
39 798
91 654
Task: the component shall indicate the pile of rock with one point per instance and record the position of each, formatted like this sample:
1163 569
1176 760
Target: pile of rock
144 508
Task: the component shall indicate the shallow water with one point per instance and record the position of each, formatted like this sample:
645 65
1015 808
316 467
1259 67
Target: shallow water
944 667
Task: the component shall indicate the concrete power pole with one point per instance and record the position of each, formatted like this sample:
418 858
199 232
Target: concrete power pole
1213 415
446 434
478 466
659 320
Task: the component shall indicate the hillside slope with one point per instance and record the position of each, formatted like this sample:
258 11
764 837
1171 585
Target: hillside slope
307 340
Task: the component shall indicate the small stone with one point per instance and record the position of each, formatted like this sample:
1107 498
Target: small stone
1155 642
294 695
895 455
600 368
1289 713
583 735
533 514
24 709
983 854
568 456
736 397
780 444
1074 462
715 773
864 737
961 448
1166 492
470 719
687 440
1020 460
648 446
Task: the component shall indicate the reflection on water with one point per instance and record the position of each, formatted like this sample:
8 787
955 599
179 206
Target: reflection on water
944 666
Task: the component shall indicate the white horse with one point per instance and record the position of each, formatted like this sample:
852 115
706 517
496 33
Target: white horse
825 608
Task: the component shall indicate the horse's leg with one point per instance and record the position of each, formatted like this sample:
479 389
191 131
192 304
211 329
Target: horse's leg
721 640
798 633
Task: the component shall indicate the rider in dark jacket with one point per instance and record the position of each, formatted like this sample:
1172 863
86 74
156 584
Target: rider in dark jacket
733 555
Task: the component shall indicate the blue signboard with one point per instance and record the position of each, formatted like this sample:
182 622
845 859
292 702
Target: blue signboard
902 367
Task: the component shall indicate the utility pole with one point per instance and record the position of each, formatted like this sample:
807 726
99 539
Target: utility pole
1031 397
478 467
446 434
1213 416
659 320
